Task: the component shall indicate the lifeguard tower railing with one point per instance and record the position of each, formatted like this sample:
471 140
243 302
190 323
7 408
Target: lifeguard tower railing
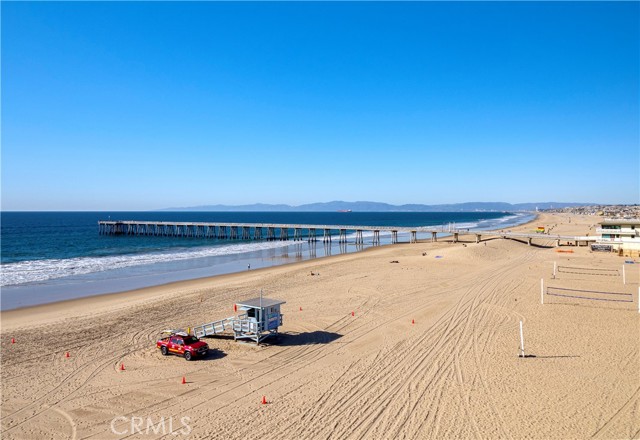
272 321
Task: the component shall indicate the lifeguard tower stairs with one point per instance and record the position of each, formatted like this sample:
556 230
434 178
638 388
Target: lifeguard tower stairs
261 319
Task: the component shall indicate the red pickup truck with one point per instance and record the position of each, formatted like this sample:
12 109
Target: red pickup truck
182 344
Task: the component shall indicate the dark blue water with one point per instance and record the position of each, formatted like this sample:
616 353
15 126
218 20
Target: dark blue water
48 256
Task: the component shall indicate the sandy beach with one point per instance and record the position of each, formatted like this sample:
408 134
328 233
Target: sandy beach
431 350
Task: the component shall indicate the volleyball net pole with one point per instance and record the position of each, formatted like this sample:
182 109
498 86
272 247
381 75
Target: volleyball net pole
624 277
521 341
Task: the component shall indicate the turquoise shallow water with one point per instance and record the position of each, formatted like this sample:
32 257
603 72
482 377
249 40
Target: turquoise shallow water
49 256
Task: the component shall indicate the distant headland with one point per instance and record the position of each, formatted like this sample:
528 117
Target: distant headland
341 206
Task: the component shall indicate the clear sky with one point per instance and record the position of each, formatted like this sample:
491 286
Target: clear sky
143 105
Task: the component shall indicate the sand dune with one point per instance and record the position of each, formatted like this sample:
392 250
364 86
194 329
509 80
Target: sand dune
452 373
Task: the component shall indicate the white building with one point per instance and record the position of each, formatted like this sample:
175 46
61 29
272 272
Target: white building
619 234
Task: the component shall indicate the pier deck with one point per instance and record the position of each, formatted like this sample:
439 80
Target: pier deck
284 231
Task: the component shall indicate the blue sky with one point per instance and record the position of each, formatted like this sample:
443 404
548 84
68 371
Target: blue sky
135 106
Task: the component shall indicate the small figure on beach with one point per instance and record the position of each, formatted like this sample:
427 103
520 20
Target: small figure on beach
249 266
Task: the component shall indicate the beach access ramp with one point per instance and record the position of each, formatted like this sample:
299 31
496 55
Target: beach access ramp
214 328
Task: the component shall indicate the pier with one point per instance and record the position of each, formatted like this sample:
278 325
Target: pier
312 233
256 231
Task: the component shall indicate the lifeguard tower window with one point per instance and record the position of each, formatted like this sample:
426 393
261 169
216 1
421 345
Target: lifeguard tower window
251 313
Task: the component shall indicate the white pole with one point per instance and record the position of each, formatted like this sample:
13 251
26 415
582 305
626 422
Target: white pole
554 269
638 299
541 290
521 341
624 277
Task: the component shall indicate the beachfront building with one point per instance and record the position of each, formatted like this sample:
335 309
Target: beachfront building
619 235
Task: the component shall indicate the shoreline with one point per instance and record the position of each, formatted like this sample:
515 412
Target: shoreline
69 307
160 291
150 284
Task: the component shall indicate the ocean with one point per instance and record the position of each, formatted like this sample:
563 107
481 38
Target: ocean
53 256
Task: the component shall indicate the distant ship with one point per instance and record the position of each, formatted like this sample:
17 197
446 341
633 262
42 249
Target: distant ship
344 210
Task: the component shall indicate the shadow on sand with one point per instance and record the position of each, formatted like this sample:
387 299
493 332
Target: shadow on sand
226 336
281 339
551 357
306 338
213 355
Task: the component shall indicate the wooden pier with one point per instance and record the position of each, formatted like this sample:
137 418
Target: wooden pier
312 233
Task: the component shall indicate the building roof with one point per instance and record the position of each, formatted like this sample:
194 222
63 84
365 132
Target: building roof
620 221
255 302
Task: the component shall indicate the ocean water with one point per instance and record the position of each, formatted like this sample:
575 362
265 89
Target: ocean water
52 256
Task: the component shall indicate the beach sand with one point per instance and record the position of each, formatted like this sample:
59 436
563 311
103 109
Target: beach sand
431 351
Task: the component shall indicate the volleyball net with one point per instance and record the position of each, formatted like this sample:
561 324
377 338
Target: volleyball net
589 271
593 295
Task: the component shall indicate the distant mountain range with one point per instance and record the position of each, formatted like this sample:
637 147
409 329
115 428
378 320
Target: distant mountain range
381 207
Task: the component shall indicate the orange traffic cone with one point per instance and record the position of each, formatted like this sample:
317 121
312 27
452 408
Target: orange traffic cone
13 340
413 321
66 354
301 309
264 400
184 381
122 366
353 313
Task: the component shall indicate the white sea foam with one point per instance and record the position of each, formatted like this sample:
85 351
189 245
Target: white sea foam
43 270
485 224
467 225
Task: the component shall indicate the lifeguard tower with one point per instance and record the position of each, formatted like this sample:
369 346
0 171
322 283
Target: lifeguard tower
261 319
